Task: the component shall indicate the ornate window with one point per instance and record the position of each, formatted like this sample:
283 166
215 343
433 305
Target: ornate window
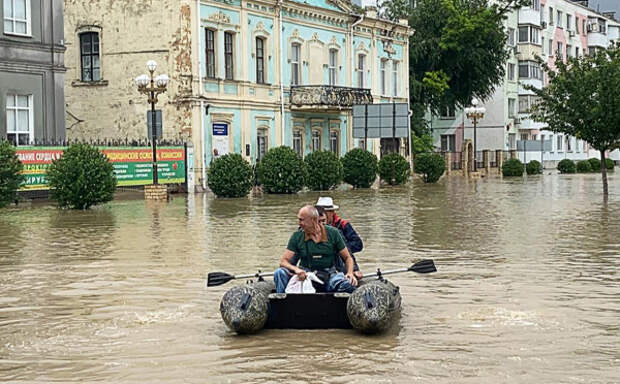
382 76
295 56
262 143
17 17
228 55
89 56
210 54
333 60
395 78
19 124
334 142
316 140
298 142
260 60
361 68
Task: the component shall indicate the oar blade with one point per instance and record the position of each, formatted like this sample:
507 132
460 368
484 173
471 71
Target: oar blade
218 278
424 266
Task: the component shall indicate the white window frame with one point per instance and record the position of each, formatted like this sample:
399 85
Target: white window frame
15 108
559 17
535 5
558 50
295 75
448 112
511 71
395 83
382 77
448 143
12 20
511 107
361 69
298 141
511 37
559 141
332 67
262 133
334 141
315 137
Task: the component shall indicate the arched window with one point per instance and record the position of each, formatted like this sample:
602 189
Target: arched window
260 60
89 56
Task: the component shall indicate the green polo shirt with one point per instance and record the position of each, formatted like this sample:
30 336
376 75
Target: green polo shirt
319 255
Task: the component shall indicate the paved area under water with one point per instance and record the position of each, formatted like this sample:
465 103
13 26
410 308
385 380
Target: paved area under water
527 290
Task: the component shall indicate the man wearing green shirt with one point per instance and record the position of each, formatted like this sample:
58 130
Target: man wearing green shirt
317 247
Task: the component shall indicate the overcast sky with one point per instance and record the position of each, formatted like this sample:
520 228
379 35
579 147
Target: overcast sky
606 5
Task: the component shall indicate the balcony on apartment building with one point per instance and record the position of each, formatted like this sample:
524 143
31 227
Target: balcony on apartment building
530 16
597 32
328 97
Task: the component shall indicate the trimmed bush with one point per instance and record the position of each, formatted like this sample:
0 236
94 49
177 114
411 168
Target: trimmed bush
360 168
10 174
533 167
609 163
595 165
566 166
231 176
512 167
281 171
323 170
430 165
394 169
584 166
81 178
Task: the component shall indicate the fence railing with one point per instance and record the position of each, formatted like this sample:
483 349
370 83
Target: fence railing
494 158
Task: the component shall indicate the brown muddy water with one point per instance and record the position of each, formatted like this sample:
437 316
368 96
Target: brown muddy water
527 291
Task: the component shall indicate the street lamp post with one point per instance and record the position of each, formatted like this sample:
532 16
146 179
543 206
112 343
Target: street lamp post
152 87
475 113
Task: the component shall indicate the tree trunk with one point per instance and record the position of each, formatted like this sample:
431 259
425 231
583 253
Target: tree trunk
604 172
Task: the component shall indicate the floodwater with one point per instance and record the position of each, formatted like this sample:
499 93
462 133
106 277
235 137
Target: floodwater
527 288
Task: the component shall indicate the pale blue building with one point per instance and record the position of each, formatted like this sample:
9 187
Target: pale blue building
289 72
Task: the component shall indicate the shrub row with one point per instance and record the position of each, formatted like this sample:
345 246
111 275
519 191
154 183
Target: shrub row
590 165
282 170
81 178
514 167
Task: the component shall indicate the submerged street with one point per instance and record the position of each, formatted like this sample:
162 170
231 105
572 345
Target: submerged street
526 290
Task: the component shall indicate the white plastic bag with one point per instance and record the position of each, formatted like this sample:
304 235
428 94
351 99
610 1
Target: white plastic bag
302 286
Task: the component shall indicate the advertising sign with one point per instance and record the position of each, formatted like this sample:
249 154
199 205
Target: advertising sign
132 165
381 120
220 138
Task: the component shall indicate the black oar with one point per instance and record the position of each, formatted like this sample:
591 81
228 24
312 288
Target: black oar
422 266
219 278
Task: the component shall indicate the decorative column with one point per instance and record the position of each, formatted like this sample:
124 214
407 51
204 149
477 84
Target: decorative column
499 160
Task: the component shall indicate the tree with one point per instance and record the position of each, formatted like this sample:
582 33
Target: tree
582 99
10 173
81 178
457 51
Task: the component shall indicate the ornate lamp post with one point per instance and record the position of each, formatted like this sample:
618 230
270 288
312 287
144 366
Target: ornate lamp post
152 87
475 113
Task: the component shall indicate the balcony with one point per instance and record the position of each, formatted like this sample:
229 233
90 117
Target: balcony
329 96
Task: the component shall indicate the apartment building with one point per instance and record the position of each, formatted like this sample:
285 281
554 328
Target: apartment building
550 29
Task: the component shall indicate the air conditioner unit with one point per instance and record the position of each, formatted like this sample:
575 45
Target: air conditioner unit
515 50
517 120
543 24
571 33
589 28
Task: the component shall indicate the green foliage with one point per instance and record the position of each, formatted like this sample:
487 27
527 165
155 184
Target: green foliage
609 164
421 144
584 166
458 51
512 167
282 170
595 164
431 166
81 178
394 169
566 166
395 9
231 176
581 99
10 173
533 168
324 170
360 168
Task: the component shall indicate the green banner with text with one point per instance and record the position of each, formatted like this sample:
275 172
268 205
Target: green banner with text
132 165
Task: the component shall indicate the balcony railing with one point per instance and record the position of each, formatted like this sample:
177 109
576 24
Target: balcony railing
330 96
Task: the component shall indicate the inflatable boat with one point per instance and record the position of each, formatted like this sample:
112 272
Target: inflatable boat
373 307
